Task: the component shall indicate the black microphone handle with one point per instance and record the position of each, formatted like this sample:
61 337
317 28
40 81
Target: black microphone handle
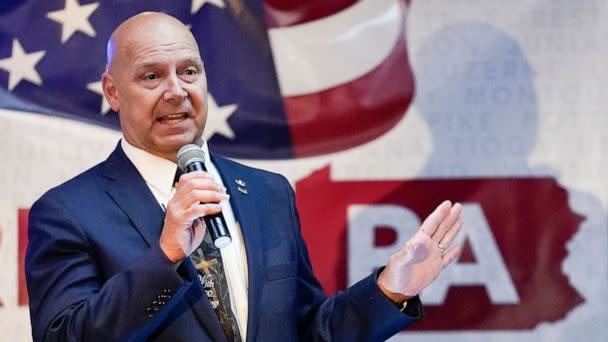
216 224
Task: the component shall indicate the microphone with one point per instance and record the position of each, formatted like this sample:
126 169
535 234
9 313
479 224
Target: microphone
192 158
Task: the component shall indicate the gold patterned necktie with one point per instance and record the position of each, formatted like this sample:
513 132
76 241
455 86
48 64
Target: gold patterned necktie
208 262
210 270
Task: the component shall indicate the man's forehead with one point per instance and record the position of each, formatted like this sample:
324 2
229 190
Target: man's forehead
149 21
158 38
150 31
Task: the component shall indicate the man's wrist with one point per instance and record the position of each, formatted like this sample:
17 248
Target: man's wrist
174 258
397 298
408 305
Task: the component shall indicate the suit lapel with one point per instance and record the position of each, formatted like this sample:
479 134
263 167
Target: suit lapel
244 209
131 193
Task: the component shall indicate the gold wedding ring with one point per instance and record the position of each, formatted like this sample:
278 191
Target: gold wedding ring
441 248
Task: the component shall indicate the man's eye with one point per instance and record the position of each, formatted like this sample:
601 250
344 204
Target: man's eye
150 77
190 72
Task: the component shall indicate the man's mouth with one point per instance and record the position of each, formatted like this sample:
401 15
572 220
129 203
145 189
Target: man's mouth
172 118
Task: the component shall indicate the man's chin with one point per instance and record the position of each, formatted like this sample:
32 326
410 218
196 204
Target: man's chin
173 145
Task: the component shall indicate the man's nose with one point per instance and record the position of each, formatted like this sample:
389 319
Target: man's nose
174 91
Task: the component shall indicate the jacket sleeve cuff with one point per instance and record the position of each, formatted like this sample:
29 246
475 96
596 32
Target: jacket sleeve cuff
385 315
413 308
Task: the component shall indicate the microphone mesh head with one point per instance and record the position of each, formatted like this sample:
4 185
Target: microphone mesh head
188 154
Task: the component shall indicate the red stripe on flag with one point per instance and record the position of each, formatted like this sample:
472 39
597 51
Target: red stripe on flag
353 113
282 13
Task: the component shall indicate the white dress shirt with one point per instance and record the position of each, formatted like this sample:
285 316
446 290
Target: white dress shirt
159 174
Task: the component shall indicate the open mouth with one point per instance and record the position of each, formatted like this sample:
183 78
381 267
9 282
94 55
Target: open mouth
172 118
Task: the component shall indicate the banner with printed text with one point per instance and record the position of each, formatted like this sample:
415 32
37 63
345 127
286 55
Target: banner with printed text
376 111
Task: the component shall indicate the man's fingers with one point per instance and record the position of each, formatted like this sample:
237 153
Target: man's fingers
451 254
203 196
187 216
451 233
206 183
193 175
448 222
199 189
430 224
201 210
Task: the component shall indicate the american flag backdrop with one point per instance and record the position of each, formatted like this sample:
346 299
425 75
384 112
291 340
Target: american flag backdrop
375 110
254 57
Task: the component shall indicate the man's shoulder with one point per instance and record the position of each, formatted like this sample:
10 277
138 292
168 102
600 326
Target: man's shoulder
226 162
80 185
270 181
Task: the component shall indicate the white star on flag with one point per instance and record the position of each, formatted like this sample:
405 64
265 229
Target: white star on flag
22 66
74 17
197 4
217 119
97 88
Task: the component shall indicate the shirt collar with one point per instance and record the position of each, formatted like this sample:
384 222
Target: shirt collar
156 171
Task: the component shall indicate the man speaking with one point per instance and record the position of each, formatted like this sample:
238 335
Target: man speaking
120 252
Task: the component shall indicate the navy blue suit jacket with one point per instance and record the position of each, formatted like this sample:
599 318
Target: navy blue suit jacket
95 269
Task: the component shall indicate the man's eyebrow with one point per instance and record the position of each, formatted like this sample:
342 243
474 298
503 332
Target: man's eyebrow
194 60
146 65
189 60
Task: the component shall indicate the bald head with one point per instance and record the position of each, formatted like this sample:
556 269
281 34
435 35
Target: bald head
155 80
154 27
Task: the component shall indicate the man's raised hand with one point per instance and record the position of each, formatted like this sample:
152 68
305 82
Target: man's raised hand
423 257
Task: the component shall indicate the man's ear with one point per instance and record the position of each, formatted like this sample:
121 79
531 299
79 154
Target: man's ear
110 91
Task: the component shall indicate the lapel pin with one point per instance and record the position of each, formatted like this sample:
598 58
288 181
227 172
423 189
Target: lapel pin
240 182
242 190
